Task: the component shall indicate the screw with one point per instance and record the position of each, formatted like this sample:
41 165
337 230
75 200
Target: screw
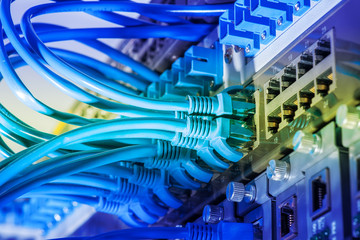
297 6
277 170
228 55
280 21
213 214
237 192
263 35
306 142
348 117
237 48
248 48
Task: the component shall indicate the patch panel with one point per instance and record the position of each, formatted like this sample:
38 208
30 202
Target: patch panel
303 74
303 91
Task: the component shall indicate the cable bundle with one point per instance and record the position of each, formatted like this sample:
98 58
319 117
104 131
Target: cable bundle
120 178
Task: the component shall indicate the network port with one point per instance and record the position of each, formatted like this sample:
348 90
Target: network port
306 95
323 83
274 119
288 221
320 193
305 64
322 50
288 78
289 108
273 90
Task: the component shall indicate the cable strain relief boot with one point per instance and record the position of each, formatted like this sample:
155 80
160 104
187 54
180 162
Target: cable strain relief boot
221 231
185 142
167 151
202 105
107 206
198 127
145 177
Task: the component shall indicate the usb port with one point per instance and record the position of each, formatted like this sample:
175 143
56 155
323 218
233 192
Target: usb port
288 221
320 193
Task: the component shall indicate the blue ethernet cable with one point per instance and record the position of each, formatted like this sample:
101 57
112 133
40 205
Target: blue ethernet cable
21 131
192 231
5 150
90 181
185 32
160 105
42 167
92 84
33 170
44 31
51 162
84 134
91 201
70 189
83 164
162 11
84 96
26 97
107 70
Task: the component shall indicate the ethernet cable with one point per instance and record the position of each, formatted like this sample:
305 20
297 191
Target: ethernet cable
206 130
73 74
5 150
91 201
136 175
89 133
18 175
46 33
84 96
92 180
70 189
24 94
82 165
192 231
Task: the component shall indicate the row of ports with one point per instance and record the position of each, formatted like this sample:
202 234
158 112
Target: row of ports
297 69
320 204
300 101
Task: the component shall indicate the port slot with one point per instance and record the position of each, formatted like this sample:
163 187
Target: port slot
320 193
289 108
323 83
288 78
322 50
273 90
274 119
306 96
305 64
288 220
